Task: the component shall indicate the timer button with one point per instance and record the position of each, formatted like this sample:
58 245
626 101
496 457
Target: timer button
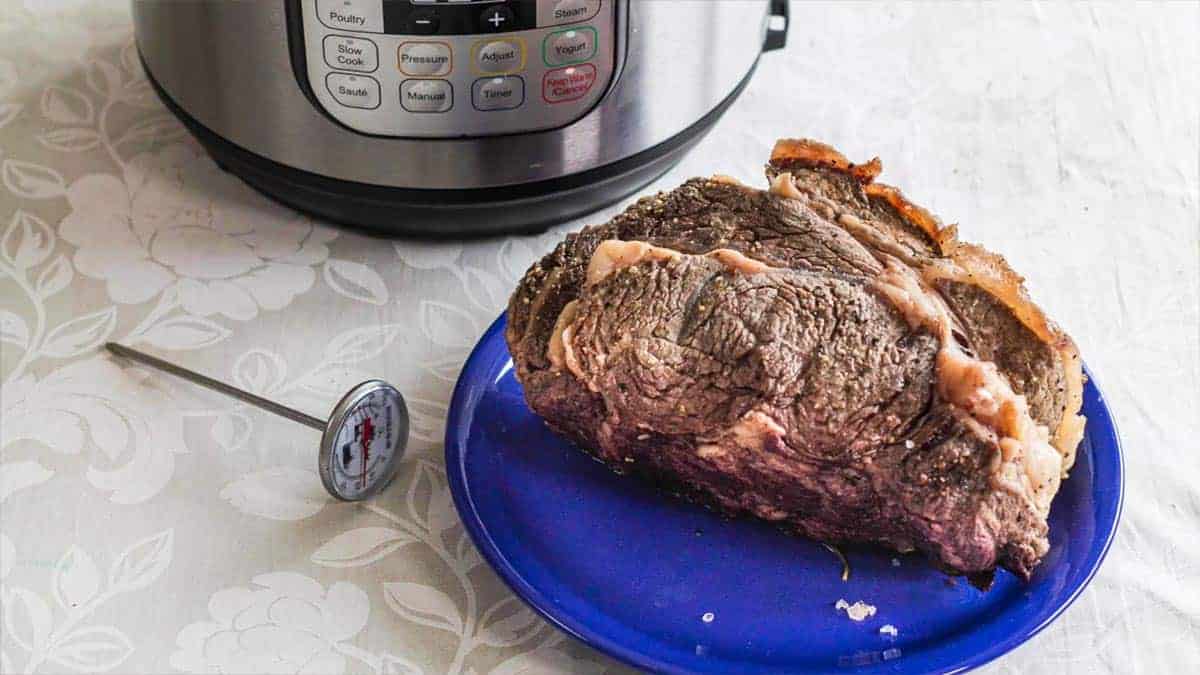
497 19
498 93
426 96
347 53
353 91
559 12
425 59
573 45
499 57
358 15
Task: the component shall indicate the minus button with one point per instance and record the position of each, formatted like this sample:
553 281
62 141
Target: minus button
423 22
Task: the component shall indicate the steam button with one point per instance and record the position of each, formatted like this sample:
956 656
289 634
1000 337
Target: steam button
354 91
562 12
365 16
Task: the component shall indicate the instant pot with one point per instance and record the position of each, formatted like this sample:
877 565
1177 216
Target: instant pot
446 117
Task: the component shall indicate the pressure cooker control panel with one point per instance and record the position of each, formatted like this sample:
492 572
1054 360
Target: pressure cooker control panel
453 68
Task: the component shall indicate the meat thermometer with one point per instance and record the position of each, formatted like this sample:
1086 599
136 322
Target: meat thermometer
362 442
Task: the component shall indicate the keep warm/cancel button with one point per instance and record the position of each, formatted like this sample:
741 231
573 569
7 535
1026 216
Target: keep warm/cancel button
568 84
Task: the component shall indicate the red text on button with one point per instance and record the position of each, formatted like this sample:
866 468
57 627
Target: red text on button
568 84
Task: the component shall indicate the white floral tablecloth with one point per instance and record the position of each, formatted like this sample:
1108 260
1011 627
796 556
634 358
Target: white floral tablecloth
150 527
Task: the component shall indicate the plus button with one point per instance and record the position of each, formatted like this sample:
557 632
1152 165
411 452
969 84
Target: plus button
497 18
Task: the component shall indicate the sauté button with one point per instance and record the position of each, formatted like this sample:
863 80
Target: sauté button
425 59
500 56
568 84
426 96
497 19
573 45
359 15
355 91
498 93
348 53
566 11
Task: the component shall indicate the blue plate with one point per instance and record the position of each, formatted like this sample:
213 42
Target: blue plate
633 573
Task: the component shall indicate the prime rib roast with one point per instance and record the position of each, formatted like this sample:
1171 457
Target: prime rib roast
822 354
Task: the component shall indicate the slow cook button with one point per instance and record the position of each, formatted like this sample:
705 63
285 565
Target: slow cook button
347 53
498 93
559 12
426 96
573 45
354 91
425 59
568 84
360 15
498 57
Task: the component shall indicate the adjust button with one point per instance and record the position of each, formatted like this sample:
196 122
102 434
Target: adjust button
360 15
498 57
348 53
559 12
426 96
354 91
568 84
498 93
573 45
425 59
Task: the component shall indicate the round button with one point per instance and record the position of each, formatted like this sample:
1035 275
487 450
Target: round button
366 437
497 19
500 56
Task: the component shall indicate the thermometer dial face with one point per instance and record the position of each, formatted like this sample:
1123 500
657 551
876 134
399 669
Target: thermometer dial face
364 442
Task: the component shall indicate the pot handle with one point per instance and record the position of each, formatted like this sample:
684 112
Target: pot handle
776 37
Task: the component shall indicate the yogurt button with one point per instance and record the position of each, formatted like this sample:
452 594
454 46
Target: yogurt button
347 53
426 96
569 46
354 91
425 59
500 56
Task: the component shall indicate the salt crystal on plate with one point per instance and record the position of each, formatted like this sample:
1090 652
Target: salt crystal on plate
889 629
858 611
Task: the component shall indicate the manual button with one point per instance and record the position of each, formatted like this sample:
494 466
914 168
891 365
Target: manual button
347 53
360 15
573 45
354 91
426 96
499 57
498 93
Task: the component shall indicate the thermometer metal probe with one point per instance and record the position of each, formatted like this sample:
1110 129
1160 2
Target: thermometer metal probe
362 442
